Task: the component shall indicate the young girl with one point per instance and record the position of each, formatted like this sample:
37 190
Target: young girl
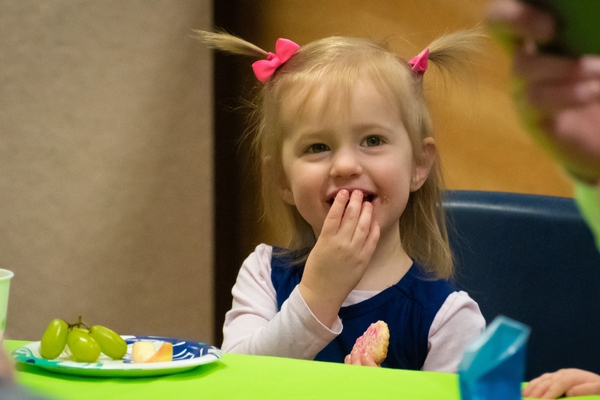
350 180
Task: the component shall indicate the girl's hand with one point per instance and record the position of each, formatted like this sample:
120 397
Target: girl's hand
356 358
341 255
569 382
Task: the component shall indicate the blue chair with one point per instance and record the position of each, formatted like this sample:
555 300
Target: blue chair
531 258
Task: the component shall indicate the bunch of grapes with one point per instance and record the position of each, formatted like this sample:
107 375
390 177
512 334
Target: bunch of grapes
85 343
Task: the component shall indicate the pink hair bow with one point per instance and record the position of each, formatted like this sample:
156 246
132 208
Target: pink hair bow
419 62
284 49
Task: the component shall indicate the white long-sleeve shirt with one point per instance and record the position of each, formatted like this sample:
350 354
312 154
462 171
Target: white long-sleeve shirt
255 326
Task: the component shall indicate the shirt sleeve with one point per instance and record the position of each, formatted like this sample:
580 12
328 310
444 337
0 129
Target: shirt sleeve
456 325
255 326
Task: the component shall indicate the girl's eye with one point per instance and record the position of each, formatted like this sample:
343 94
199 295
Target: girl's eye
372 141
317 148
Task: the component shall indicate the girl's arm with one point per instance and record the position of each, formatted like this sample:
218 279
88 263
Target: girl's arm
457 324
253 325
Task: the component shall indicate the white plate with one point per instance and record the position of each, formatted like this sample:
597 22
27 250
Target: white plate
186 355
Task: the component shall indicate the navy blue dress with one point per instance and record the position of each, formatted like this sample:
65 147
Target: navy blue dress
408 307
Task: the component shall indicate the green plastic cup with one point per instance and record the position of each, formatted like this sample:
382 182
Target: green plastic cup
5 277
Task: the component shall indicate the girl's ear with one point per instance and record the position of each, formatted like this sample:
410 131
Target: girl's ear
422 164
276 174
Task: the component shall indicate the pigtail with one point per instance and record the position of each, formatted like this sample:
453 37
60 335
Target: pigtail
282 220
230 43
453 51
423 224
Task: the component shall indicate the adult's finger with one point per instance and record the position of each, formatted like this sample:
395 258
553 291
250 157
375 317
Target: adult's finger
520 20
541 67
549 97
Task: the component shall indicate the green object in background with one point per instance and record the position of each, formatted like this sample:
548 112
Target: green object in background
588 201
578 25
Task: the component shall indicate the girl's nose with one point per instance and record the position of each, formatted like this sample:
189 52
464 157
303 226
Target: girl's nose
345 164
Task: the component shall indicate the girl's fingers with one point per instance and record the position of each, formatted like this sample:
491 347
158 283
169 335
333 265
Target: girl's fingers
336 212
352 213
372 239
351 221
359 225
354 357
363 225
367 360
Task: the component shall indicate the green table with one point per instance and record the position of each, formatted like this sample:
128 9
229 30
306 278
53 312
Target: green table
237 376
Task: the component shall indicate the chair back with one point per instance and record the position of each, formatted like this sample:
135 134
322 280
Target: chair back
531 258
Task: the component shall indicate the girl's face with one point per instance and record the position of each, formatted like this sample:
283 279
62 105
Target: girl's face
366 148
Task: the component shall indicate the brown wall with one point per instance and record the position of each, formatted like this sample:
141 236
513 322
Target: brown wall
106 177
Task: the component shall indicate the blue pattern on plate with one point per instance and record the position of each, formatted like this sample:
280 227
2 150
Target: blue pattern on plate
182 349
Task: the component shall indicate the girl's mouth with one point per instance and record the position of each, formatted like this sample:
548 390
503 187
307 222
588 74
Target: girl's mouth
370 197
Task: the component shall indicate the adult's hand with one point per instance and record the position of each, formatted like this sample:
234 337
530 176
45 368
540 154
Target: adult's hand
557 97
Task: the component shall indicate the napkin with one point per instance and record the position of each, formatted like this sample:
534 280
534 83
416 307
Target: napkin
493 366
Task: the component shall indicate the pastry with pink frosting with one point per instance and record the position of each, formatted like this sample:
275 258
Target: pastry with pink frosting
374 341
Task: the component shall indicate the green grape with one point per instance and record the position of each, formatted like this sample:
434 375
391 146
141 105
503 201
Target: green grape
54 339
110 342
83 347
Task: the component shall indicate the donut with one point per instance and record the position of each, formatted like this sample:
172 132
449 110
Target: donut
374 341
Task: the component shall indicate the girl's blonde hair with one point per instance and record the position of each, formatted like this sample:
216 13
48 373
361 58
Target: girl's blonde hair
335 63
